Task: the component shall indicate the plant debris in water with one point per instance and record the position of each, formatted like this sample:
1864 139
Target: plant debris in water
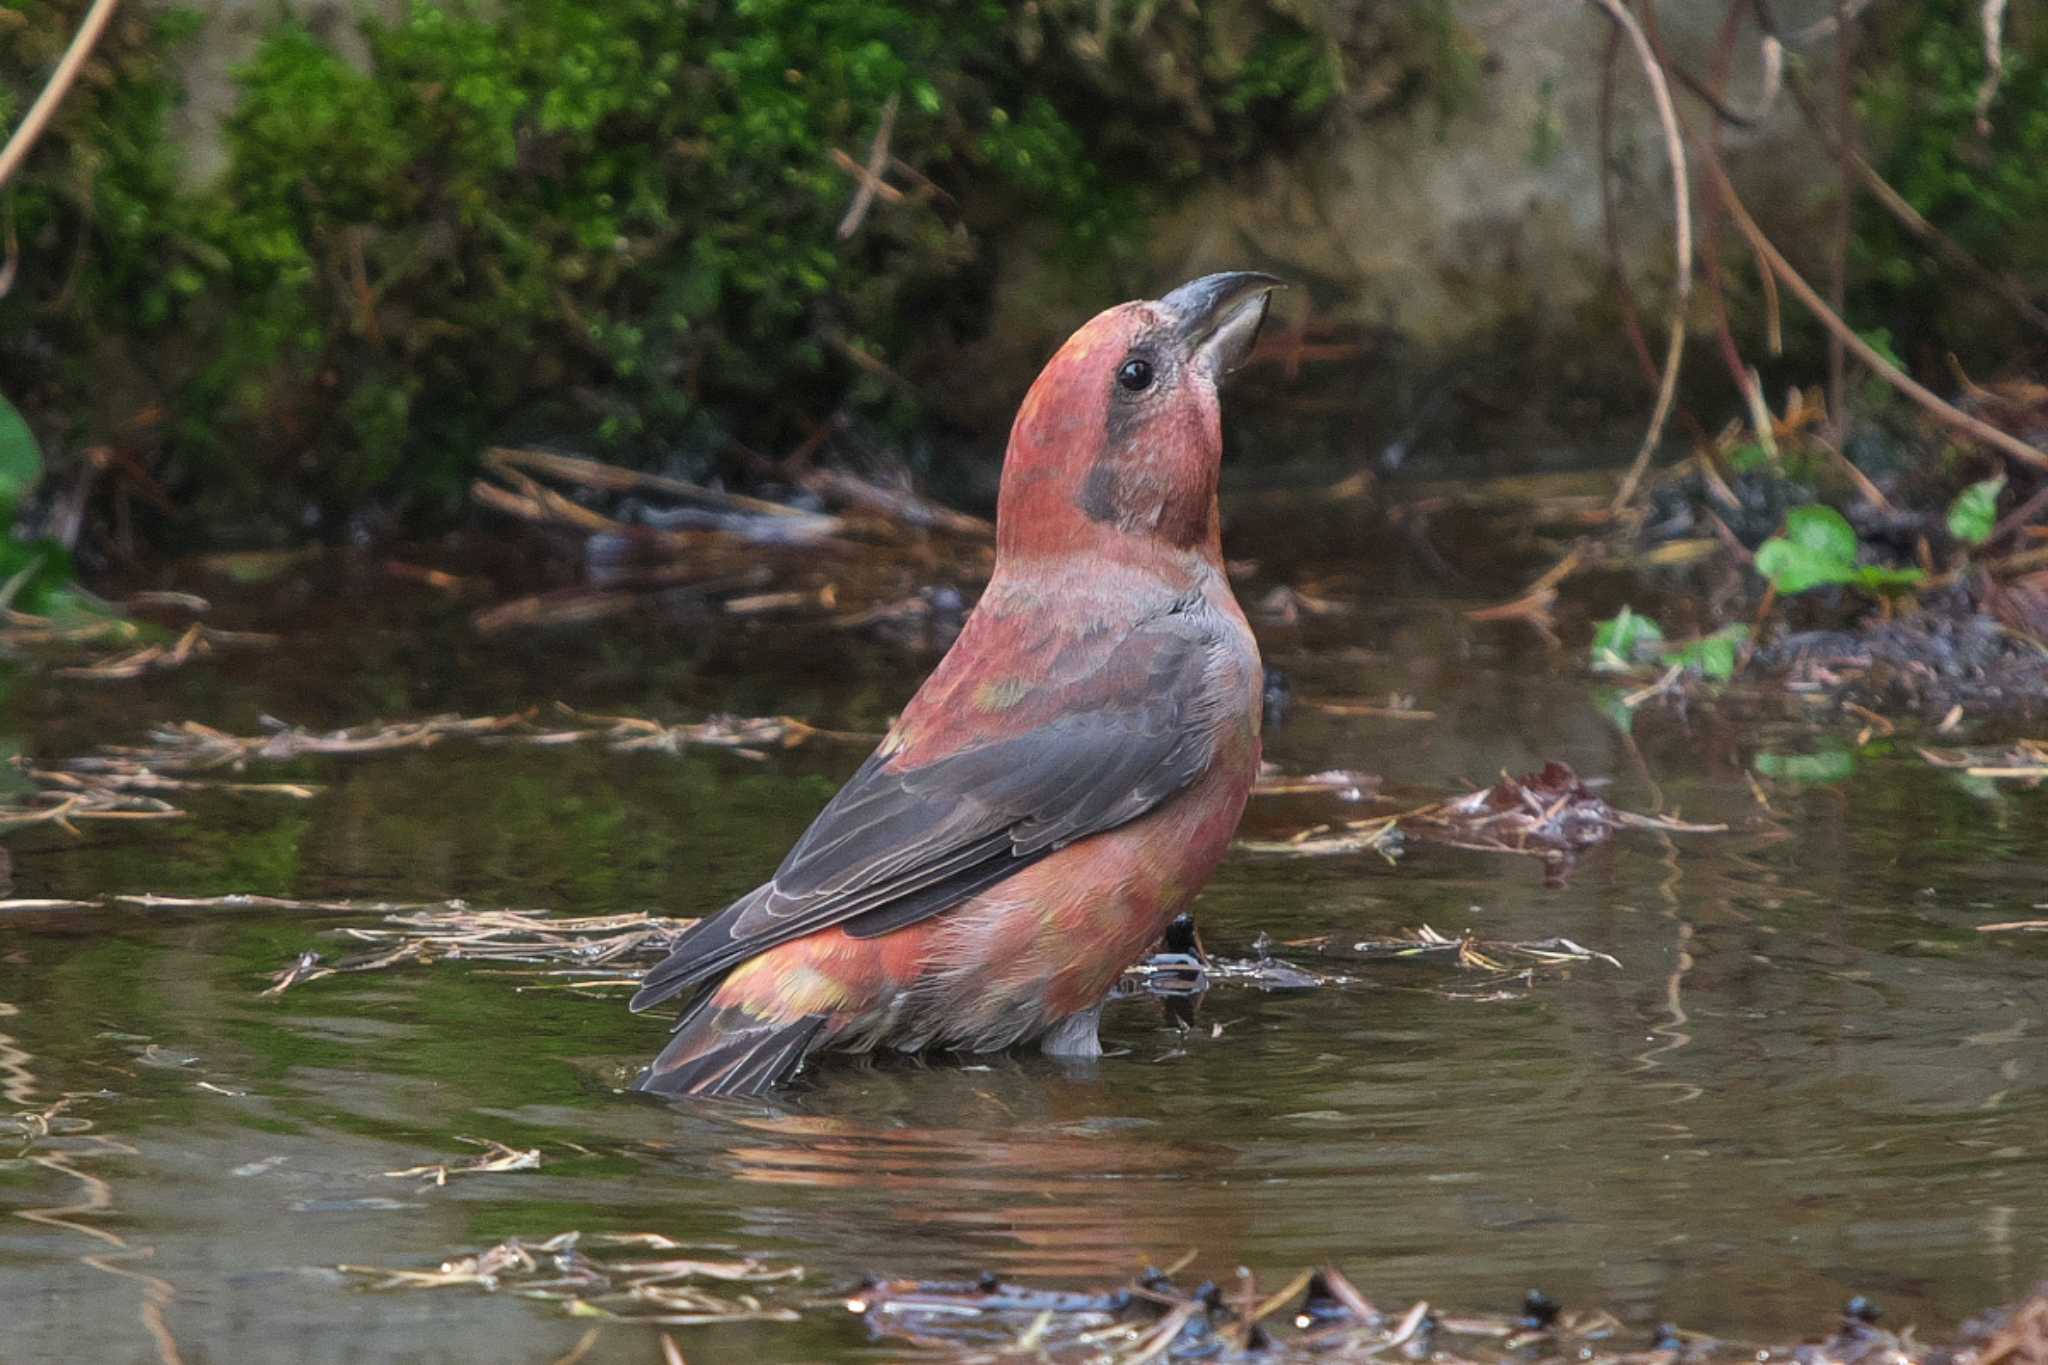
57 797
26 632
630 1279
1320 1316
120 781
647 537
497 1157
599 953
588 950
1549 814
191 747
2026 761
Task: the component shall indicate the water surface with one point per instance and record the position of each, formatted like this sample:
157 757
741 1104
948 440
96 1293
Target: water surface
1809 1077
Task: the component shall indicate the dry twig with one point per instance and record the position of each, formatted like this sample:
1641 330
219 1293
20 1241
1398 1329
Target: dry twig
1681 294
59 85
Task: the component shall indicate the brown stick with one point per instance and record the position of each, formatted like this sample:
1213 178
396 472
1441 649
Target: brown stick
1838 253
39 113
878 160
1861 349
1710 229
1674 147
1992 14
1631 316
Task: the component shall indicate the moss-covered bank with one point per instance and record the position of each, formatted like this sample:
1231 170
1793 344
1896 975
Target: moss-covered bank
624 226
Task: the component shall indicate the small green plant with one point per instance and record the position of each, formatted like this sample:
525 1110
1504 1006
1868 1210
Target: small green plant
1625 640
1975 511
21 462
1979 183
1628 640
1713 655
1832 762
1818 549
622 226
34 574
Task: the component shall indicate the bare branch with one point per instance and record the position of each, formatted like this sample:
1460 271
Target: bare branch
1681 294
39 113
1861 349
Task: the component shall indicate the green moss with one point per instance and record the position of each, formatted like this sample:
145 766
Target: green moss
1982 188
612 225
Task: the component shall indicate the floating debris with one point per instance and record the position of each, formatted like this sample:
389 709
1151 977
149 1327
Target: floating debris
1474 953
2026 761
197 641
1549 814
1182 971
1379 835
120 781
562 1270
589 945
1320 1316
192 747
694 512
649 539
1396 706
51 796
1345 784
21 631
497 1157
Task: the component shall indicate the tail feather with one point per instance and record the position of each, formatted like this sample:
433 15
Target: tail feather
725 1051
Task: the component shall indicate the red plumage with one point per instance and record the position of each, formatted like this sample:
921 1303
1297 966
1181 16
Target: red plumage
1066 779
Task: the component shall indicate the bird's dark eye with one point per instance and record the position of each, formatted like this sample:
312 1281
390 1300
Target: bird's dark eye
1135 375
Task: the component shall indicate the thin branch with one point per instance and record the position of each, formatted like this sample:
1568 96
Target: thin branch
1838 254
878 160
1821 28
1631 316
1993 16
1710 230
39 113
1861 349
1674 146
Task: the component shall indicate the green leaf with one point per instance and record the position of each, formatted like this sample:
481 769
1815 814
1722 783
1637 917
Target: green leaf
1822 530
21 462
1624 641
1748 456
1879 339
1817 549
1831 764
44 575
1975 511
1713 655
1796 568
1612 703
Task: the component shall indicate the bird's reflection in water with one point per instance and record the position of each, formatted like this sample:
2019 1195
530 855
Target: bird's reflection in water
1016 1166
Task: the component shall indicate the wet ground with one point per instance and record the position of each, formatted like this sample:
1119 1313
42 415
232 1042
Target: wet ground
1810 1076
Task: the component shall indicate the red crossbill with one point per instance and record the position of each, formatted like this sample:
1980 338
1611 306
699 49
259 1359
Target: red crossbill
1064 782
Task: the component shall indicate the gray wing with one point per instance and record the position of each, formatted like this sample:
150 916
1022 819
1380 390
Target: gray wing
899 845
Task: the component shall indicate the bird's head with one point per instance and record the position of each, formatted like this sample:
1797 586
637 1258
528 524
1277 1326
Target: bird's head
1118 442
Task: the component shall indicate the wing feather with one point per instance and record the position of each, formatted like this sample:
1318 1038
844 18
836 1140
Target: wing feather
900 844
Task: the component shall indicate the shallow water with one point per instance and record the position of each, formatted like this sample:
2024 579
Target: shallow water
1809 1077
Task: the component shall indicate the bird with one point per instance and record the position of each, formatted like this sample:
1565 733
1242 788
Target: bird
1065 780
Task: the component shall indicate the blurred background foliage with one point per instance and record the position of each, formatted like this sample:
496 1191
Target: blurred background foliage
1981 184
616 225
619 228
